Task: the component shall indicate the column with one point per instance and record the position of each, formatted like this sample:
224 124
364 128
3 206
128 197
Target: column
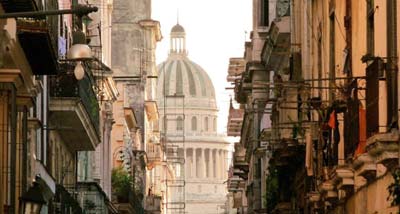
185 161
223 164
214 154
194 161
210 164
218 163
203 163
226 163
189 164
224 170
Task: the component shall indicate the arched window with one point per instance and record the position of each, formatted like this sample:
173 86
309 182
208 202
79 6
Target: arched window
194 123
215 124
179 123
206 124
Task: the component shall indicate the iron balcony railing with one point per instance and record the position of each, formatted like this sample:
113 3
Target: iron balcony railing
65 85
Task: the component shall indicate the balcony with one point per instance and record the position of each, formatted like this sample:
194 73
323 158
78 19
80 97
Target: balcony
240 166
154 155
328 191
38 37
38 42
128 203
235 121
241 90
66 199
235 183
130 118
236 67
153 204
365 166
90 196
384 148
342 178
11 6
74 111
276 50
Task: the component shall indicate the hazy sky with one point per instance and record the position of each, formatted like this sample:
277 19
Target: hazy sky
215 31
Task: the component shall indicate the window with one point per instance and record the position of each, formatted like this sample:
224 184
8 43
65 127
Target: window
332 66
320 66
194 123
206 124
264 13
215 124
179 123
371 95
370 27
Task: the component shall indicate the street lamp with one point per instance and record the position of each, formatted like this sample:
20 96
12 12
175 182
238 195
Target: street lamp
79 52
33 200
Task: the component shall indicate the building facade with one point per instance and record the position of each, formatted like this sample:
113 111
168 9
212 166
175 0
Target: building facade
327 132
135 137
196 154
50 116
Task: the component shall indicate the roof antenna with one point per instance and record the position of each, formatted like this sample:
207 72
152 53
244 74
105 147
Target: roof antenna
177 16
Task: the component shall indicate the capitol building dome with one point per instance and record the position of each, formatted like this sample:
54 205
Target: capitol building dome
178 75
188 121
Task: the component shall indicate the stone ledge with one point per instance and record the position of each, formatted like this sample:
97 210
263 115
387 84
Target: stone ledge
328 191
364 165
343 178
384 148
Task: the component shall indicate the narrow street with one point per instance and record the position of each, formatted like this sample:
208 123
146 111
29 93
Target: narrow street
199 107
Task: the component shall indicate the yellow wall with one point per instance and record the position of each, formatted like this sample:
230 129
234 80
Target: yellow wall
63 161
371 198
3 152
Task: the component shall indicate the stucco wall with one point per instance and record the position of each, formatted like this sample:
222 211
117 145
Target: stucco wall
128 36
371 198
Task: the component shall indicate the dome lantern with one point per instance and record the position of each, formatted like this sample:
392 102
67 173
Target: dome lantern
178 75
178 40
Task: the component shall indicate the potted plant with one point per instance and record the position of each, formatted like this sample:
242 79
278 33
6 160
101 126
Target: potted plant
122 184
394 188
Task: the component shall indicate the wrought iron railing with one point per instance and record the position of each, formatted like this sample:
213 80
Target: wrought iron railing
153 203
153 152
66 85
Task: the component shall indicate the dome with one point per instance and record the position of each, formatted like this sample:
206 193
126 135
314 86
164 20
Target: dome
179 75
177 29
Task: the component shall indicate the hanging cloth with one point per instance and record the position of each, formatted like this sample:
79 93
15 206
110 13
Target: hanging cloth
362 139
332 120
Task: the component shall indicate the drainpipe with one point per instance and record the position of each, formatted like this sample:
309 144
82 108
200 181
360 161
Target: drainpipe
13 158
347 21
392 64
24 150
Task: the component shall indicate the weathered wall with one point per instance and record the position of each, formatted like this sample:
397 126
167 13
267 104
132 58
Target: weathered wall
128 36
371 198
